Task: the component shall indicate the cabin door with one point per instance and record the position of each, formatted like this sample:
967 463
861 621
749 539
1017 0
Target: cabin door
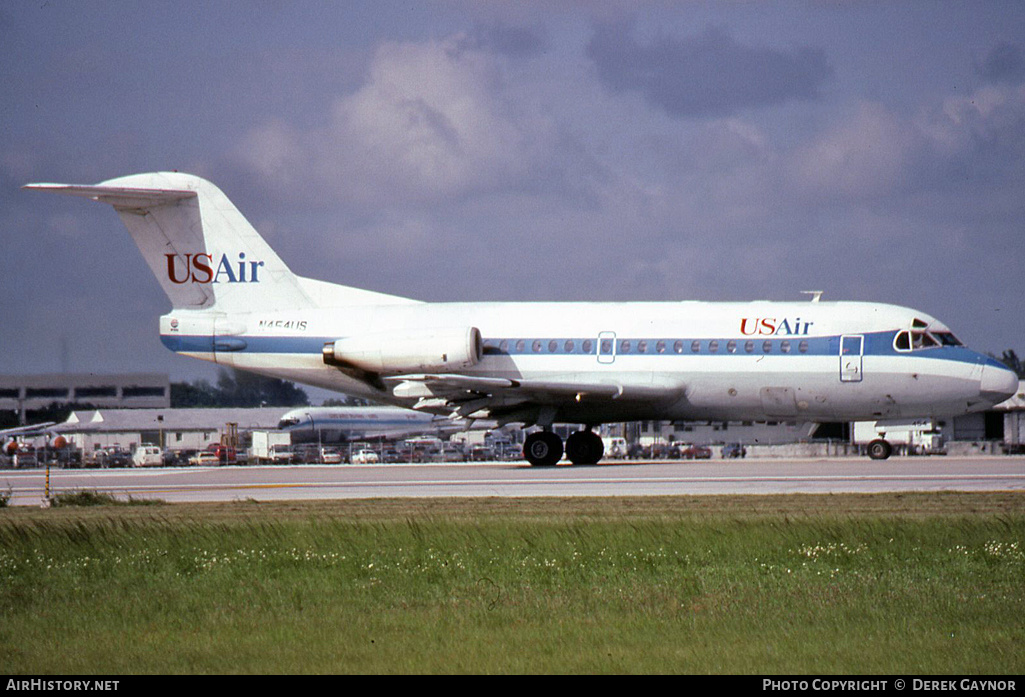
852 349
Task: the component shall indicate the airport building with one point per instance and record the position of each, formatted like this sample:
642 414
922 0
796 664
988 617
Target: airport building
23 393
170 429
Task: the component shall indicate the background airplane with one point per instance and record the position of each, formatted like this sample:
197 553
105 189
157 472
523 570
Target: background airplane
235 302
347 424
35 435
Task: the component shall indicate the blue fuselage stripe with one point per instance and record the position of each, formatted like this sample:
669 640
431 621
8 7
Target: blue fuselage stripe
875 344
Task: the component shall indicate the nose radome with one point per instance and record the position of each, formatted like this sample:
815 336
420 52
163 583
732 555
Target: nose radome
998 384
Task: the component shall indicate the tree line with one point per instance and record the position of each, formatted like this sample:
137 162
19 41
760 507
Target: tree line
236 388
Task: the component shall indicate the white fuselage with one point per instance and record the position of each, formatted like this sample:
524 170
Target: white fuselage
826 361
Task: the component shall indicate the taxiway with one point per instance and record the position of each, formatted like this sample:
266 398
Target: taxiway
514 479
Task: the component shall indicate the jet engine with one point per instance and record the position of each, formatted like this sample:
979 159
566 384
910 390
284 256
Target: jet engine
405 351
10 447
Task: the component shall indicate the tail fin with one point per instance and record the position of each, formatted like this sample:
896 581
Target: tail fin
201 249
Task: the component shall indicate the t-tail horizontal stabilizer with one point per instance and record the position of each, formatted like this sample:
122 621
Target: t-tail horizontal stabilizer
201 249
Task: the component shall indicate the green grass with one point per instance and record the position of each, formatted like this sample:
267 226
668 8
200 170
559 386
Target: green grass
929 583
97 498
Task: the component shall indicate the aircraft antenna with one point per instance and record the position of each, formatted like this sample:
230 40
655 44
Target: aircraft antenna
816 295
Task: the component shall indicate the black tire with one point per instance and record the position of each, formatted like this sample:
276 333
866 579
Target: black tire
879 449
542 449
584 448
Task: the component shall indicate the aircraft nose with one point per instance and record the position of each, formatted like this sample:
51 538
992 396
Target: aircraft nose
998 384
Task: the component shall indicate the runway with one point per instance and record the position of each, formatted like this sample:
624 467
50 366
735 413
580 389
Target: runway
514 479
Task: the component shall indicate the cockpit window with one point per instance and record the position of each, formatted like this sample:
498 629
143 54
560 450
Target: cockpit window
947 339
922 340
287 423
916 340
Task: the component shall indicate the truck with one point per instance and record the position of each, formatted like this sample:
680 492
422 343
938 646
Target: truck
147 456
615 447
271 446
910 436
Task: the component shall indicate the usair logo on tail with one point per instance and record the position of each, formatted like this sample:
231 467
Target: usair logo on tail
200 268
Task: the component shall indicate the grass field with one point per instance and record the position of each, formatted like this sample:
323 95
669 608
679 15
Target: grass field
905 584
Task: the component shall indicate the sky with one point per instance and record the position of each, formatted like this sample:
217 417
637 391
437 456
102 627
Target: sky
463 151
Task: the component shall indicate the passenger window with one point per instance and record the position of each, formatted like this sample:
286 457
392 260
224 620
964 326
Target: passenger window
803 347
606 346
784 346
536 346
767 347
713 346
569 346
553 346
520 345
503 346
660 347
642 347
695 346
731 346
749 346
588 345
624 346
678 346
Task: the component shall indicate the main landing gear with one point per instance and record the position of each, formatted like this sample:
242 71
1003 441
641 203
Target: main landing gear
545 449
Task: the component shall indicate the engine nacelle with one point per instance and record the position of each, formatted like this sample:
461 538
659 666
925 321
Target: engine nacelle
405 351
10 447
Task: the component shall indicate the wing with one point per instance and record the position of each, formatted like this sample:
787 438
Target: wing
508 400
33 430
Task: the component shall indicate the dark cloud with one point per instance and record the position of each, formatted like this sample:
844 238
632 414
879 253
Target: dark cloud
706 75
1004 63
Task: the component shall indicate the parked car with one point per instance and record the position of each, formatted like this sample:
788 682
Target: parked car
365 457
205 458
733 450
330 456
180 458
696 452
113 456
224 454
451 453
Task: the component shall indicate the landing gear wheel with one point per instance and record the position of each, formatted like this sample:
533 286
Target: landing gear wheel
879 449
542 449
584 448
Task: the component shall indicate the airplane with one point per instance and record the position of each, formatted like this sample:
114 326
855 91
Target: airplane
348 424
235 302
14 437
